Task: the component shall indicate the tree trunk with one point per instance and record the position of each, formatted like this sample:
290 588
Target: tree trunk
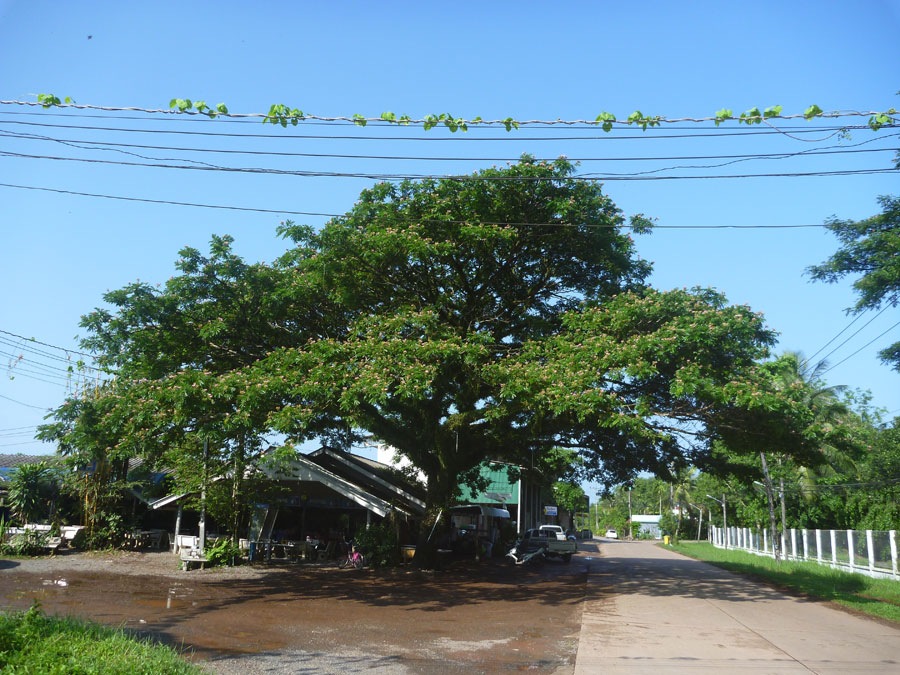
440 488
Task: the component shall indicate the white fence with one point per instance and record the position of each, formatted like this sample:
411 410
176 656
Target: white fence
870 552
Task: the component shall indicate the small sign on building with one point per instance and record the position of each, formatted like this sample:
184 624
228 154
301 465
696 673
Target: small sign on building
550 511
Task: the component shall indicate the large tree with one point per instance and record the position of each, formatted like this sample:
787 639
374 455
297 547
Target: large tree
498 315
869 248
501 315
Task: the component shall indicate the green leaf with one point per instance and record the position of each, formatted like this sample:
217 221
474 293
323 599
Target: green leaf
723 115
772 111
359 120
752 116
607 120
389 117
48 100
812 111
222 108
276 114
881 119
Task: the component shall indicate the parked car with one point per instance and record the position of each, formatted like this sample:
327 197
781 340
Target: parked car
612 534
541 543
554 531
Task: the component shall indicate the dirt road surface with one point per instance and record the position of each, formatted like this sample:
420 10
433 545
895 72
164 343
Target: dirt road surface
486 617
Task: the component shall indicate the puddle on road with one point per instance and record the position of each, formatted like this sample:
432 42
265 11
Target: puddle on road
66 595
178 613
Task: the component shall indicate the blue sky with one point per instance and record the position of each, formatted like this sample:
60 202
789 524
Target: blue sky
571 61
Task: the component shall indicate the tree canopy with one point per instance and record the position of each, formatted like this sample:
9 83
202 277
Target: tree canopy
498 315
869 248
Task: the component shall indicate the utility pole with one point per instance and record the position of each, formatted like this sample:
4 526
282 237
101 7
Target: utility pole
773 534
725 519
203 497
630 528
724 516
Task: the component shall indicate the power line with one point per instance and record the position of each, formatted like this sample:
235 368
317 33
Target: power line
45 344
24 349
45 369
27 405
861 348
19 434
283 134
449 222
168 202
110 146
21 443
595 178
841 332
858 331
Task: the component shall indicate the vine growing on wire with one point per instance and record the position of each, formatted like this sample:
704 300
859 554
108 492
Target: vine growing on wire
283 114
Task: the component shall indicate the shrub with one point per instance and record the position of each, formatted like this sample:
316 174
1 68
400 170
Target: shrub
30 542
222 552
380 545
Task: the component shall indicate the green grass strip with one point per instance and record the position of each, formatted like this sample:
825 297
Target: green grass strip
31 642
878 598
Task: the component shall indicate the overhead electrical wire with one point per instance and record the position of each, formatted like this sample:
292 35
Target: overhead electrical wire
337 215
116 147
809 359
411 176
853 335
27 405
870 342
278 133
45 344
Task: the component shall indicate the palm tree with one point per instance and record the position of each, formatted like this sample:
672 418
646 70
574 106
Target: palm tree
682 493
792 373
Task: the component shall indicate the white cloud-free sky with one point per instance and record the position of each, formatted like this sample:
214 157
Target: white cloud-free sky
71 230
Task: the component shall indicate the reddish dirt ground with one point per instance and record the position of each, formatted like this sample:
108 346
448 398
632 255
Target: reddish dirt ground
473 617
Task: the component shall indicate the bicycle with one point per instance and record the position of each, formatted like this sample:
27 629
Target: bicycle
355 559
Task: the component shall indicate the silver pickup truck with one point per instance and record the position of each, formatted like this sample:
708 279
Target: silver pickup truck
541 543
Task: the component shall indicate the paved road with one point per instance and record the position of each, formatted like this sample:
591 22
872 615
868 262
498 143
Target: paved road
670 614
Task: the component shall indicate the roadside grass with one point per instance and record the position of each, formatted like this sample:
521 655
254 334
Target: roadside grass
31 642
879 598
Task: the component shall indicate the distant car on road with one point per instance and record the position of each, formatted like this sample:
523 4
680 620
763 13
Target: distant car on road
612 534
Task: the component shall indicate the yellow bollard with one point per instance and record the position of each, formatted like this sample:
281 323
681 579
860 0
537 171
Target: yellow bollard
666 540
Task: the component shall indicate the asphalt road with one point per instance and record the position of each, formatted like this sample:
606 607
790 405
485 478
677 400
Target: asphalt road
659 612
